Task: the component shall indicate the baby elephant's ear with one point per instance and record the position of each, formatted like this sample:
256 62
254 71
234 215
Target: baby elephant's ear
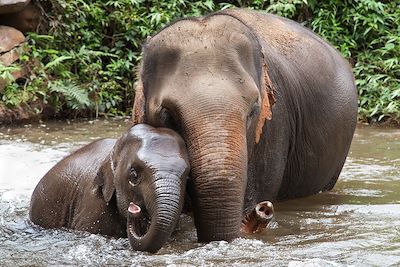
105 179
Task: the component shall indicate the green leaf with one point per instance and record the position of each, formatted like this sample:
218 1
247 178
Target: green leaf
57 62
77 98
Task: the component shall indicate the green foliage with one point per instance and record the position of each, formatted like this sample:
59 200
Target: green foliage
76 97
86 60
12 95
367 32
6 72
286 8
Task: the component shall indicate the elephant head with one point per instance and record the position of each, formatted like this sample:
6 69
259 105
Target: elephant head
206 79
147 172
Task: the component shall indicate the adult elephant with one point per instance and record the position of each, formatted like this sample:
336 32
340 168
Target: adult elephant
132 186
266 107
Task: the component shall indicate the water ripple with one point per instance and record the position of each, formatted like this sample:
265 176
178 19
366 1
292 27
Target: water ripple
356 224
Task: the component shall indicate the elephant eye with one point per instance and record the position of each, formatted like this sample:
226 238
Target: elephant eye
167 120
254 110
165 117
133 177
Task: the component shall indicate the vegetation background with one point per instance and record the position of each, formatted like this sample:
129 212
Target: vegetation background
84 64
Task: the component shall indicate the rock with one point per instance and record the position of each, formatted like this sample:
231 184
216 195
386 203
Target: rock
25 20
10 38
11 6
8 58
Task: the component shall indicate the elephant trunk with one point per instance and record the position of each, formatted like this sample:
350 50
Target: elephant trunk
218 177
164 202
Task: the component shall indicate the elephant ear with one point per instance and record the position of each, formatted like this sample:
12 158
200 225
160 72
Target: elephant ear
105 179
139 104
267 100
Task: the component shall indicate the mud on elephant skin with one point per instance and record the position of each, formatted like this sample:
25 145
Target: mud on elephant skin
267 110
133 186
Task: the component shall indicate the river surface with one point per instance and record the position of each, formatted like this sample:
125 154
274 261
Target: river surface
355 224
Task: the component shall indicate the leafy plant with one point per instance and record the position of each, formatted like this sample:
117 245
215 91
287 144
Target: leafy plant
86 59
367 32
77 98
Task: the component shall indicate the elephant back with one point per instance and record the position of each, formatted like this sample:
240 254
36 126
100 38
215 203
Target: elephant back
315 95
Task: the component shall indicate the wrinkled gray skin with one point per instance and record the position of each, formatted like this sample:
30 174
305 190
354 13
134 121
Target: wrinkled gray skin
267 110
92 188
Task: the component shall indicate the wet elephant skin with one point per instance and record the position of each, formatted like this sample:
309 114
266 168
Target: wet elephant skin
144 172
267 110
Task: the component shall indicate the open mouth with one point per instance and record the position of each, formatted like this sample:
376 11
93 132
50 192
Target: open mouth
138 221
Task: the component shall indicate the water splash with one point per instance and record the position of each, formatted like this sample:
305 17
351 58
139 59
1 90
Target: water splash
357 223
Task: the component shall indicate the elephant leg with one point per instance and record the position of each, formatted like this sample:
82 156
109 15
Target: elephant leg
258 219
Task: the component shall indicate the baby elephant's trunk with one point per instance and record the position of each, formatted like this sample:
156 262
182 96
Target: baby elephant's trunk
164 206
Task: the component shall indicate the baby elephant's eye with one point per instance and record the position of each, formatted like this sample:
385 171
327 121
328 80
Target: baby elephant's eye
133 177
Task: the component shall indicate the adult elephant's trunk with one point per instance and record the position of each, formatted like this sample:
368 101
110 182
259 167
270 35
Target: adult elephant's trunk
216 143
164 201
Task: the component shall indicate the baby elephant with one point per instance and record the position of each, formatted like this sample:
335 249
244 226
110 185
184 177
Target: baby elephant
133 186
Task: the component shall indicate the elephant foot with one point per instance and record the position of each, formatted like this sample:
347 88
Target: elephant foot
258 219
138 221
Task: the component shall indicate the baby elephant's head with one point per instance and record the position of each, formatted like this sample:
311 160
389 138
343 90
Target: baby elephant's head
147 172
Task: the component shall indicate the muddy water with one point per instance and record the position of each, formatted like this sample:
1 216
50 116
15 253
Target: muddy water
357 223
